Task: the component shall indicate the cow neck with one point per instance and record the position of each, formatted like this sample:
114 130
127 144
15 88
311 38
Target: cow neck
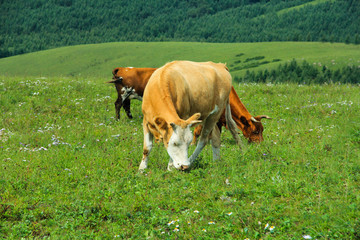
237 107
145 73
171 114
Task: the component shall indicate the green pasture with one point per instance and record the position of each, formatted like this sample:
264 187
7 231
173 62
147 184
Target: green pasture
69 170
98 60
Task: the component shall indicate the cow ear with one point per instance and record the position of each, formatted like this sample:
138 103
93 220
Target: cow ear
160 123
115 71
193 119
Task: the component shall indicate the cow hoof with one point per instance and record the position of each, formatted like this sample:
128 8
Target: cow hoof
143 166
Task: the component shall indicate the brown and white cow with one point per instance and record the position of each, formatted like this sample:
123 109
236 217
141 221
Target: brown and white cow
130 83
179 95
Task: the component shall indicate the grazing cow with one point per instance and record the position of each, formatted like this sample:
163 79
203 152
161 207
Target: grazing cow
250 126
130 83
179 95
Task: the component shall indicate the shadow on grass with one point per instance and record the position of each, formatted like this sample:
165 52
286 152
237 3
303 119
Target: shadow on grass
200 163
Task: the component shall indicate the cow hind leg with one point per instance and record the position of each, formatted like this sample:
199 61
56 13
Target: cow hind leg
126 104
148 144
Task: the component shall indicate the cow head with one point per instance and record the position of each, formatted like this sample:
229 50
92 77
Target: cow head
177 138
253 128
115 74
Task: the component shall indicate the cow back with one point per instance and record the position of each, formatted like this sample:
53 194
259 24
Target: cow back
182 88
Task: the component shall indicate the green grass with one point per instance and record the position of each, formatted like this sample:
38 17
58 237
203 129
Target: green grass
68 170
98 60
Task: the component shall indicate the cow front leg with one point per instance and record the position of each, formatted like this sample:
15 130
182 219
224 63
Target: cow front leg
199 147
215 142
204 137
148 144
208 126
126 104
118 105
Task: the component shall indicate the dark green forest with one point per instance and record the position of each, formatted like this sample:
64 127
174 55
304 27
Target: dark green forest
303 73
34 25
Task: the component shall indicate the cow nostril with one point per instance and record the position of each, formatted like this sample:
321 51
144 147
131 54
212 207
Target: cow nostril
184 167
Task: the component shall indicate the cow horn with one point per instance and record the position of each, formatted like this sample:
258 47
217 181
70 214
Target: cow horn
254 120
116 80
263 116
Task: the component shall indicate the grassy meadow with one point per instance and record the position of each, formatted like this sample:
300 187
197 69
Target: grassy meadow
69 170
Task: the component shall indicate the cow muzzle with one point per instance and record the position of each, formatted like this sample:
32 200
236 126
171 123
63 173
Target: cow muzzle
184 167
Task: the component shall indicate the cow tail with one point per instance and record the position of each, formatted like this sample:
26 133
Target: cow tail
232 125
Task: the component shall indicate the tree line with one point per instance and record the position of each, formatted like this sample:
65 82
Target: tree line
36 25
303 73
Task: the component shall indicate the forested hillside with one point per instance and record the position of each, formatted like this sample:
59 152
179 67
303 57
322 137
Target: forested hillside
33 25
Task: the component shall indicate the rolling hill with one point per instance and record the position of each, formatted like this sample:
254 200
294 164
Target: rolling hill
98 60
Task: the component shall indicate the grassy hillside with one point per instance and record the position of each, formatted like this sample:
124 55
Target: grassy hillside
99 59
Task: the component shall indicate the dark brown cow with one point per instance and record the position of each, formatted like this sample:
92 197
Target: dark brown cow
250 126
130 83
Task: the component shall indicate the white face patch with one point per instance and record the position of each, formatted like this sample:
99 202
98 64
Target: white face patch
178 146
135 96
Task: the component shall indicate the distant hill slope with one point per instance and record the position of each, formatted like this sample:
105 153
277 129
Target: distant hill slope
98 60
33 25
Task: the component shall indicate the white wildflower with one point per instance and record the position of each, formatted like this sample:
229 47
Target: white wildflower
266 226
227 182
